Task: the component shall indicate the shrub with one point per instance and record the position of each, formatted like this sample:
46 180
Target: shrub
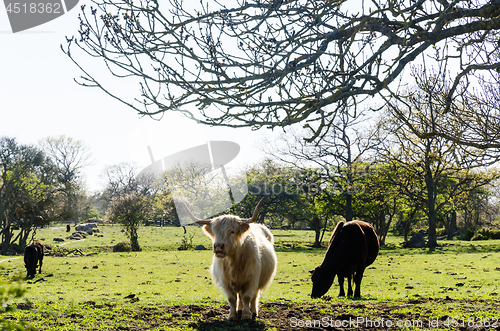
441 232
469 233
130 210
122 247
494 234
479 236
187 243
10 291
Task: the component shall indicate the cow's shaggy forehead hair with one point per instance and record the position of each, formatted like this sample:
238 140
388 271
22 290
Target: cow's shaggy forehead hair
224 223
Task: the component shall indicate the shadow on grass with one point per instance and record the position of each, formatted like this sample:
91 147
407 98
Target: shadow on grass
284 235
346 299
446 247
290 246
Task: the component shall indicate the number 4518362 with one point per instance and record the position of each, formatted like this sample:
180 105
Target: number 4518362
34 8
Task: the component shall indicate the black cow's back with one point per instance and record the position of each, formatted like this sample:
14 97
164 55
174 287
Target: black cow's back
372 242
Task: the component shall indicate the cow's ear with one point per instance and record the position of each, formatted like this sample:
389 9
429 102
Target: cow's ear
208 230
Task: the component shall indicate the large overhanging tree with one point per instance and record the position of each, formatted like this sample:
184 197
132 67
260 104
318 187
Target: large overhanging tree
273 63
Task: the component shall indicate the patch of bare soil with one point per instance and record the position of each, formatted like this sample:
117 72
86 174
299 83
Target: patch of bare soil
415 314
412 314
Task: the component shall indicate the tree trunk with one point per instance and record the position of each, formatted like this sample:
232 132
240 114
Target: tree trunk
348 206
134 240
451 225
383 229
25 232
406 230
7 234
408 224
432 240
323 232
317 231
466 219
317 234
431 204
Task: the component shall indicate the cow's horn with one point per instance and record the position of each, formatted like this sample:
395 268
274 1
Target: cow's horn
194 218
255 213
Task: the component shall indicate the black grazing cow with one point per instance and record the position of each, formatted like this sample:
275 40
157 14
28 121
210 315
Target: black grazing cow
353 246
33 254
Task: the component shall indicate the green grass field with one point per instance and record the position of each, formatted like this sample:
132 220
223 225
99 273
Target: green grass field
146 290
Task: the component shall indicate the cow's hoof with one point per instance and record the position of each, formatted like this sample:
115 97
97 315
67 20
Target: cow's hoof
232 317
246 316
240 312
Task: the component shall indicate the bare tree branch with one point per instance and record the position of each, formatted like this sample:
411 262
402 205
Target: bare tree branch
275 63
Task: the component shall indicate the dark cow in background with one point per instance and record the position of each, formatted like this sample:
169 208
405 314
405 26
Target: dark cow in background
33 255
353 247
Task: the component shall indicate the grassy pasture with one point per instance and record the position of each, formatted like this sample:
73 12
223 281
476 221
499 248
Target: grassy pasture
162 288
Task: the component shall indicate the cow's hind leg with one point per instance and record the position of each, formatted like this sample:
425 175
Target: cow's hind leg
41 262
357 280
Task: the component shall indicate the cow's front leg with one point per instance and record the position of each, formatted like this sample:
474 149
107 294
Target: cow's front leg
232 299
254 304
341 286
246 313
240 306
233 315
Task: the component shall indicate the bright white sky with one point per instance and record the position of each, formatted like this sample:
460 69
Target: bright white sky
38 98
